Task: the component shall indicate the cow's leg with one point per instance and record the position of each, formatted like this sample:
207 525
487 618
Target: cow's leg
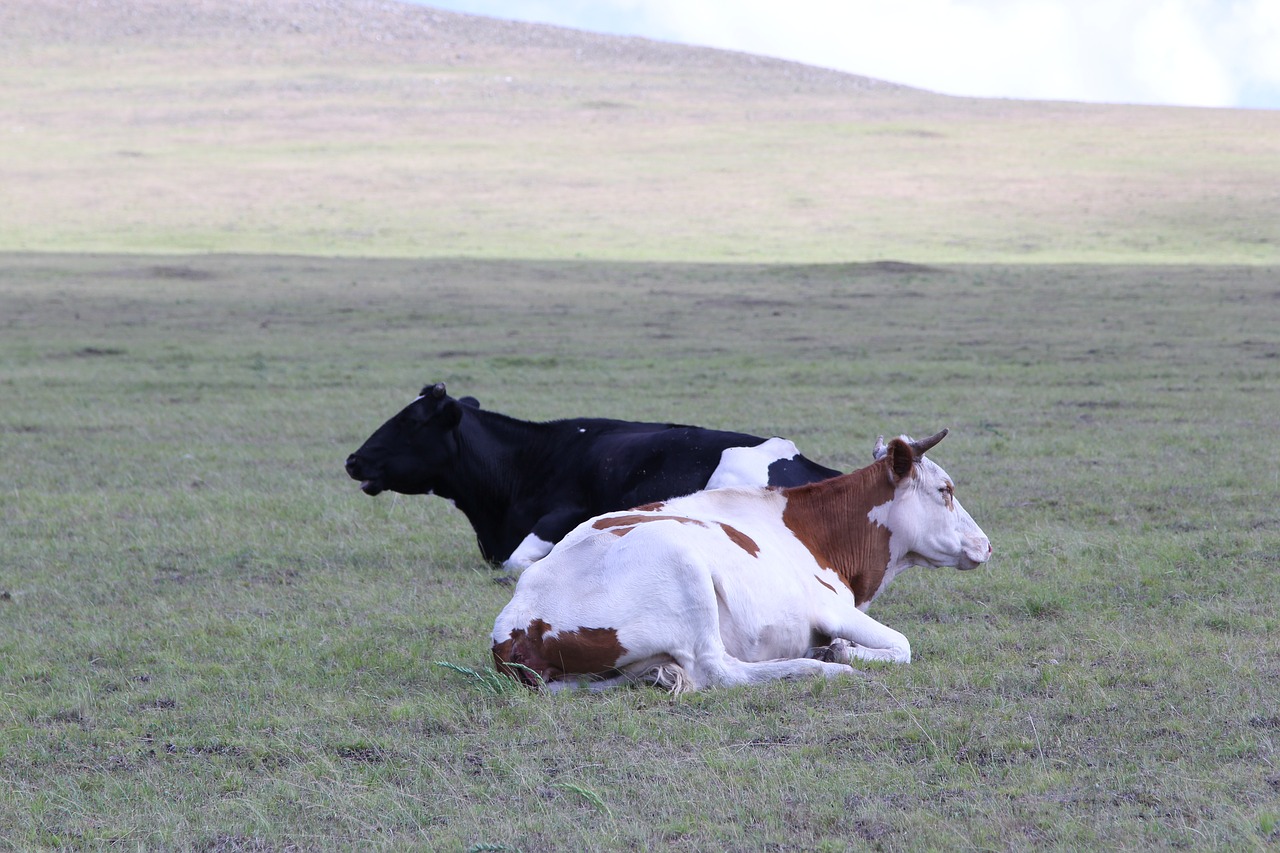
546 532
706 662
839 650
669 676
726 672
732 671
712 665
528 552
871 640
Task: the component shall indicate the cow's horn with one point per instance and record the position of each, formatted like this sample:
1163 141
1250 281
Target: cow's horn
437 390
923 445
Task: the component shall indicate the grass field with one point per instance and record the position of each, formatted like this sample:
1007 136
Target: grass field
235 236
210 639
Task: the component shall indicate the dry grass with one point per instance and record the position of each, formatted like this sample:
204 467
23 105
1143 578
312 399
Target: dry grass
378 129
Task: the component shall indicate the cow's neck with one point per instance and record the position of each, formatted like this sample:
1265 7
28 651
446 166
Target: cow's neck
486 485
831 519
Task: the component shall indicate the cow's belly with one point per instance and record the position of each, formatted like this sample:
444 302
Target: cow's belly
765 611
765 641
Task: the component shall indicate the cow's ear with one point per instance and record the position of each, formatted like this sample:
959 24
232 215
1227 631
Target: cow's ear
902 460
469 401
450 414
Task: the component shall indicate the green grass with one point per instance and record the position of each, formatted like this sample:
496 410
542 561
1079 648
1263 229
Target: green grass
210 639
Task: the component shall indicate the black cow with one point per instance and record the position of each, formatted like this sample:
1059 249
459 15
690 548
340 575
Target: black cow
524 485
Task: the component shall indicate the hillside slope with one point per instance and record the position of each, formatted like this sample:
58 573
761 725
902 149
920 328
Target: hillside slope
357 127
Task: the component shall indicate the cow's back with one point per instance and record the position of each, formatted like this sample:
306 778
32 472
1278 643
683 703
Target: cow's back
643 466
736 534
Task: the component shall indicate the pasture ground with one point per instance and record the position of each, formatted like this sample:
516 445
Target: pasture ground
209 639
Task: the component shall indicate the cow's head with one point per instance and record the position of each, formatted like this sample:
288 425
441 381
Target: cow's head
408 452
927 524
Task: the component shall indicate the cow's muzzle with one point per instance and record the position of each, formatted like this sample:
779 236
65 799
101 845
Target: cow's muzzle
369 480
974 555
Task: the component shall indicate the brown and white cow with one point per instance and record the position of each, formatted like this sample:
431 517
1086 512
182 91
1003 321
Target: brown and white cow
737 585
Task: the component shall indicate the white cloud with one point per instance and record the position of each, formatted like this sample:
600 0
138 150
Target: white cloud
1174 59
1250 39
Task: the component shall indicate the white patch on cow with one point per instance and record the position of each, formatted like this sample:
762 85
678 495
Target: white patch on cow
528 552
749 466
582 429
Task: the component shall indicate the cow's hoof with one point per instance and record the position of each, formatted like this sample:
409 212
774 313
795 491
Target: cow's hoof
840 651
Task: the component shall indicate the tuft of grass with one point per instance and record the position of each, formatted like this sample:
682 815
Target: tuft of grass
587 794
489 679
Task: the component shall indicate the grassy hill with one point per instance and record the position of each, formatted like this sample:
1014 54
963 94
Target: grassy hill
364 128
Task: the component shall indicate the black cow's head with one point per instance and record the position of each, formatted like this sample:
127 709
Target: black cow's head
408 453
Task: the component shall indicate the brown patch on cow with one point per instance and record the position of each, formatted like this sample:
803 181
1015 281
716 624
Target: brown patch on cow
830 519
742 540
505 655
633 520
621 525
824 583
520 658
529 654
618 521
653 507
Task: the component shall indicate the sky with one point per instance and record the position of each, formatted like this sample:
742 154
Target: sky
1202 53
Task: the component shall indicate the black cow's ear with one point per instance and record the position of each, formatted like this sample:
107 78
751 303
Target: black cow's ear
469 401
902 460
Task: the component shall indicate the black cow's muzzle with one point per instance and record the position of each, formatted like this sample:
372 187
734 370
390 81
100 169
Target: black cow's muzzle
358 470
